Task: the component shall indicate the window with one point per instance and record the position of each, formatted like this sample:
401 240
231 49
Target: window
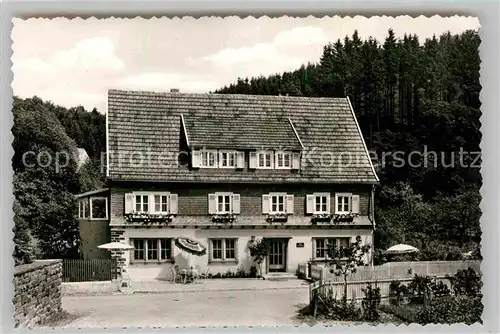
343 203
98 208
83 208
224 203
283 160
223 249
227 159
321 246
141 203
277 203
209 158
265 159
161 203
152 249
321 204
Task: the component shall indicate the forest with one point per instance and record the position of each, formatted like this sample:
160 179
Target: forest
408 95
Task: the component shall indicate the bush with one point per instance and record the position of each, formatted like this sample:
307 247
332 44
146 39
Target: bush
440 289
253 271
406 313
452 309
397 292
466 282
419 289
370 303
342 311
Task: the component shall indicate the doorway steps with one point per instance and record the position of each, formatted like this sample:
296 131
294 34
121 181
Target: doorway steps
279 276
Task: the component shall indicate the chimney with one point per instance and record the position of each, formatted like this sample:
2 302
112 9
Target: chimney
174 90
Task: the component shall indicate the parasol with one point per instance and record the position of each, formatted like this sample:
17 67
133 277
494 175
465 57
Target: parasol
190 246
115 246
402 249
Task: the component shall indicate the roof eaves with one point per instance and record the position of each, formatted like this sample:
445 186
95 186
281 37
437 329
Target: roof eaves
92 192
296 134
362 139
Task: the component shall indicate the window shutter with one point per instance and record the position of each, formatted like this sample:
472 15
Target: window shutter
173 203
310 204
219 162
253 160
240 160
196 158
265 203
295 160
129 202
355 204
151 203
236 203
289 204
328 203
212 204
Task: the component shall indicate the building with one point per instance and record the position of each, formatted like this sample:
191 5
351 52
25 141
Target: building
229 169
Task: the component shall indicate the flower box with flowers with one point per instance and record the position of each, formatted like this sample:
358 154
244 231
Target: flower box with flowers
148 218
321 218
223 218
344 218
277 218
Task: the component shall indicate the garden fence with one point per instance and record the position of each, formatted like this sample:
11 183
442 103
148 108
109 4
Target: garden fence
393 270
89 270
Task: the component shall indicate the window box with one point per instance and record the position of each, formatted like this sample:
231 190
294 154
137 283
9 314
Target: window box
344 218
277 218
321 218
223 218
149 218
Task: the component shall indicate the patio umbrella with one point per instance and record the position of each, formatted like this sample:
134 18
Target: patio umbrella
115 246
401 249
190 246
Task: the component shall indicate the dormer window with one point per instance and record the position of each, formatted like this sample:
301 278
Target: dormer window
227 159
265 159
283 160
208 158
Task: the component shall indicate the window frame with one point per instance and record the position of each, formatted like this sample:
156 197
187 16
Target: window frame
83 208
223 250
277 195
227 152
90 217
161 194
349 205
208 153
224 194
277 160
327 240
142 194
319 195
271 162
145 250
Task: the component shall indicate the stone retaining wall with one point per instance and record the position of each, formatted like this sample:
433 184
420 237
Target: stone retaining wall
37 292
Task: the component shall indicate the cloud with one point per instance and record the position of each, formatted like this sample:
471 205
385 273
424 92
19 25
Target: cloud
96 53
284 53
166 81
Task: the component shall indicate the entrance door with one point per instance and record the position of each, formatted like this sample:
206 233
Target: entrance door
277 254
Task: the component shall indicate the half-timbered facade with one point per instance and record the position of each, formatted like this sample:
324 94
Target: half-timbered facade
229 169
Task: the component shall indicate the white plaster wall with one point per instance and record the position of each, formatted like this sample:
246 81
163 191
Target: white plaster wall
141 271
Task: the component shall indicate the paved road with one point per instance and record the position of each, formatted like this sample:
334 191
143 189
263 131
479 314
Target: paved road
231 308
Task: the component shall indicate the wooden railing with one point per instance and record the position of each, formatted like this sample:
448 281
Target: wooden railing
89 270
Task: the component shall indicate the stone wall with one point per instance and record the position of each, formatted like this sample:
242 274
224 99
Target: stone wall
37 292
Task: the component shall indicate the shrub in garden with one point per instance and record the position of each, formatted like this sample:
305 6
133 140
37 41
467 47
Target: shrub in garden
397 292
419 288
253 271
370 303
466 282
440 289
452 309
341 310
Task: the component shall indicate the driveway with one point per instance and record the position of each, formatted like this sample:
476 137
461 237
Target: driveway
215 308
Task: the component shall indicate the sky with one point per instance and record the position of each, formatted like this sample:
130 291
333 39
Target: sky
74 62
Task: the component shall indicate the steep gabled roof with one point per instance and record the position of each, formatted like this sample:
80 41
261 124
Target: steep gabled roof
151 124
